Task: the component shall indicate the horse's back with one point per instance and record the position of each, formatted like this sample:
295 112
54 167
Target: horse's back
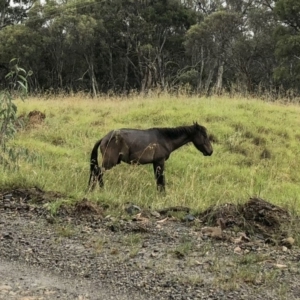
132 137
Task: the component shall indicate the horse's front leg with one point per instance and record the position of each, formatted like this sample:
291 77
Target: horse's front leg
159 175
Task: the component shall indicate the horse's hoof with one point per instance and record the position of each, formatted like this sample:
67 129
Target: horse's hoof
161 189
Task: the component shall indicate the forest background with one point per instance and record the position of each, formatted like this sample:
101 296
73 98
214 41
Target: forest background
205 47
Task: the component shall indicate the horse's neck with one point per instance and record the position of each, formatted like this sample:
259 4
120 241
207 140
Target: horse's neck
180 141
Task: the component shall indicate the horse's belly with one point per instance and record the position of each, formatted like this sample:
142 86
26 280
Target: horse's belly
144 156
136 158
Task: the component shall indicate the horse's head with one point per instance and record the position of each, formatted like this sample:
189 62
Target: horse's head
201 140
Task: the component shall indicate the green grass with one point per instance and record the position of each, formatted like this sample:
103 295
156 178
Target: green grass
256 150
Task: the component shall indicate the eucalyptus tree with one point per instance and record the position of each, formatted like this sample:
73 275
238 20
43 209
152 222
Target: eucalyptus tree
69 34
209 44
18 41
232 46
83 32
253 56
169 21
145 41
46 21
13 11
287 72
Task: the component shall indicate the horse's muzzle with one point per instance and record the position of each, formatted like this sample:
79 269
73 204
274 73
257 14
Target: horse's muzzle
208 153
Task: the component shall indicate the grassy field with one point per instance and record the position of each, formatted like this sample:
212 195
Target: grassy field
256 150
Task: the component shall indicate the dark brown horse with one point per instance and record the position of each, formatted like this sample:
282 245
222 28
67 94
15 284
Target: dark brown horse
150 146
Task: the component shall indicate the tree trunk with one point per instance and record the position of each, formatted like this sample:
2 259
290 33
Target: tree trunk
219 83
160 61
2 16
199 85
93 80
141 75
210 77
111 71
126 74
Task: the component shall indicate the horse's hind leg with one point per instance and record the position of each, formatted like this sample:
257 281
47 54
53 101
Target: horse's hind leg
107 164
96 175
110 158
100 178
159 175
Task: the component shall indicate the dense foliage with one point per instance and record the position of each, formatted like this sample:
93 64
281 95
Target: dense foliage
249 46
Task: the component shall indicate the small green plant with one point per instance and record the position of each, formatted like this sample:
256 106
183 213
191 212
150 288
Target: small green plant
192 280
8 111
65 231
252 258
183 249
132 239
99 244
247 270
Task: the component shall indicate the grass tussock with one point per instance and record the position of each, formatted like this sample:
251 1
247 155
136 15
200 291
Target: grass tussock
256 150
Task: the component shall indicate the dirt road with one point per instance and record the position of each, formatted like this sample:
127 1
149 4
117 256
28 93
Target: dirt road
20 281
88 256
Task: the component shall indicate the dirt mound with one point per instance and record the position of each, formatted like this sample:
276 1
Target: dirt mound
32 119
82 210
36 117
34 195
21 197
256 216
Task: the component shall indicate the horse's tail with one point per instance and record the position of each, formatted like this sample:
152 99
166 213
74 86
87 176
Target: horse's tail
94 166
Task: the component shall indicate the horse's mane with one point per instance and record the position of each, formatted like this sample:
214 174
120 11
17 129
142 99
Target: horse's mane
174 132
